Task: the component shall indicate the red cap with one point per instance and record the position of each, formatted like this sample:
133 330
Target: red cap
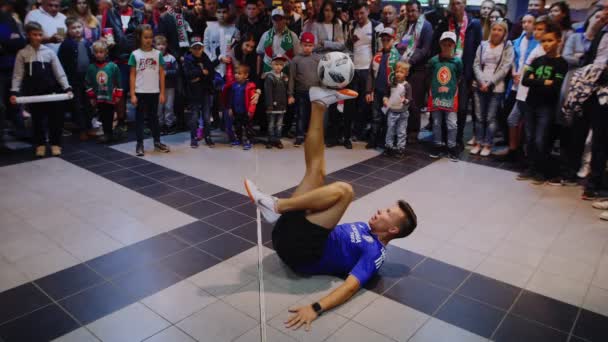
308 37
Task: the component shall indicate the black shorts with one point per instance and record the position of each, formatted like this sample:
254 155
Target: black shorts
297 241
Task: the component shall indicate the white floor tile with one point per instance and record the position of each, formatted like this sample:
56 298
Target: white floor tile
78 335
506 271
272 335
222 279
133 323
558 287
357 303
320 329
27 245
518 254
419 242
391 318
439 331
41 265
171 334
352 331
10 276
459 256
567 267
217 322
178 301
247 261
596 300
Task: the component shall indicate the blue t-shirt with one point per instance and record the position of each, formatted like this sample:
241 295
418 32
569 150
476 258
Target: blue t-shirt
350 248
238 97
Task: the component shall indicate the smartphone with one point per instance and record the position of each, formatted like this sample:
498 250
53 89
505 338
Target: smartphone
61 31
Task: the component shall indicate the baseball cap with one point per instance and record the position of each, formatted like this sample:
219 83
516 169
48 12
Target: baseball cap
448 35
277 12
387 31
307 37
279 57
196 40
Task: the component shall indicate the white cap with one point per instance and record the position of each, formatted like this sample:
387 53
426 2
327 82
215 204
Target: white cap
388 31
277 11
448 35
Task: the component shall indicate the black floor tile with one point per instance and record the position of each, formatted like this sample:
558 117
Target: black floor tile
94 303
114 155
471 315
202 209
145 281
119 175
378 162
361 190
69 281
489 291
44 324
228 219
80 155
89 162
189 262
250 232
104 168
361 169
592 326
137 182
206 191
225 246
186 182
178 199
402 169
196 232
230 199
440 273
117 262
516 329
165 175
389 274
345 175
418 294
386 174
372 182
548 311
21 300
132 162
158 246
248 209
417 161
403 257
148 168
157 190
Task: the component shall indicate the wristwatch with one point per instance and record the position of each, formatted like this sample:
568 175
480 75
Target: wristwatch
317 307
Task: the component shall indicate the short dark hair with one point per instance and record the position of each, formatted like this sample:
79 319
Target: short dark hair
411 221
252 2
139 32
69 21
566 23
414 3
553 27
32 26
359 5
334 8
245 68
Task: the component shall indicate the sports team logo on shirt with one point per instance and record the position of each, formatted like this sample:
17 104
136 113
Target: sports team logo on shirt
147 63
368 238
102 78
444 75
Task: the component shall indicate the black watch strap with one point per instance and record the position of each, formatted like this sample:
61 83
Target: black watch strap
317 307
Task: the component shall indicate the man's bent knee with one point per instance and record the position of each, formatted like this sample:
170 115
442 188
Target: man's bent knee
345 189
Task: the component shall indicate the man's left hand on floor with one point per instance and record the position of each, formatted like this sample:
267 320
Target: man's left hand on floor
303 315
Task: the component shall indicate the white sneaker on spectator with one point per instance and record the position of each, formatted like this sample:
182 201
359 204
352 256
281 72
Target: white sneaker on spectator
55 151
604 216
264 202
584 171
330 96
40 151
602 205
472 142
486 151
475 149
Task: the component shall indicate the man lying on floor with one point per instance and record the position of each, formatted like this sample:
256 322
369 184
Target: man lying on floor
306 235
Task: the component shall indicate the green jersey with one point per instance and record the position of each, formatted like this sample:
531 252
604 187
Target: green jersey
445 74
101 80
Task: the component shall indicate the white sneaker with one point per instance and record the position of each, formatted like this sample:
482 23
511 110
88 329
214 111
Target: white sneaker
41 151
602 205
472 142
584 171
604 216
486 151
264 202
55 151
475 149
330 96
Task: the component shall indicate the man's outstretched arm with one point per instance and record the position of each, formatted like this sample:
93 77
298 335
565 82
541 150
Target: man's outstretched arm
304 315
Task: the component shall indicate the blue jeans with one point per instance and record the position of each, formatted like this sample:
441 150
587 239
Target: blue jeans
451 119
201 111
517 113
396 125
378 119
358 107
303 112
539 120
486 107
275 126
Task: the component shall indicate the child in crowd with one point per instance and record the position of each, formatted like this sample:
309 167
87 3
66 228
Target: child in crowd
445 71
103 88
240 106
302 76
147 87
198 72
275 90
74 55
492 64
166 115
398 102
38 71
544 77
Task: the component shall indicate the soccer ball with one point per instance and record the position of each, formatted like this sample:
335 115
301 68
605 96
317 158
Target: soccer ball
335 70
